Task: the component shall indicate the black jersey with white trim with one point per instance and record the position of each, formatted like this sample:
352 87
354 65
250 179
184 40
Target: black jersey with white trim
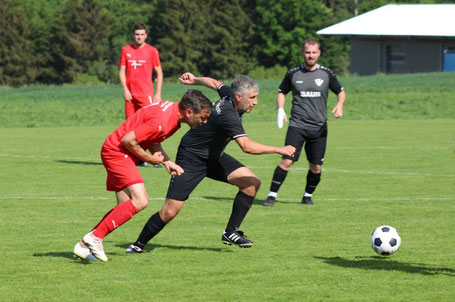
310 90
223 125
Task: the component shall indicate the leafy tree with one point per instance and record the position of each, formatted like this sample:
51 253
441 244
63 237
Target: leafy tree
123 15
179 28
227 45
17 63
40 15
284 25
79 35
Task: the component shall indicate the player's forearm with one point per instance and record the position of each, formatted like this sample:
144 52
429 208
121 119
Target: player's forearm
280 100
159 81
159 148
252 147
137 150
122 77
207 82
341 98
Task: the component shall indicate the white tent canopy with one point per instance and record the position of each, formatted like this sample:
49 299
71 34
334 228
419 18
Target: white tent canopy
437 20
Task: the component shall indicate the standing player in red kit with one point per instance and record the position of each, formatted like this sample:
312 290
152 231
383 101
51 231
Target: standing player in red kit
137 63
145 130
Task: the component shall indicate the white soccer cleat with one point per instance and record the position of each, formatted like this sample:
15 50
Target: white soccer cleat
83 252
95 245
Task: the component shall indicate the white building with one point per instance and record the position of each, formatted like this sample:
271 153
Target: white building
400 38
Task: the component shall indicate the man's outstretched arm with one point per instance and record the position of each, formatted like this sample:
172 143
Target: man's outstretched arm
189 79
252 147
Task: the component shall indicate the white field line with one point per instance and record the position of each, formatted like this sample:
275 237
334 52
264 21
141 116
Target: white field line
49 157
394 148
204 198
361 171
256 167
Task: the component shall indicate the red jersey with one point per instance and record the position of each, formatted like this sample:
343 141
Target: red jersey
139 64
152 125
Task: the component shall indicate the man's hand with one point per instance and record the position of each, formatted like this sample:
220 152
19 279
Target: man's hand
187 78
287 150
173 168
157 98
281 117
156 158
127 95
338 111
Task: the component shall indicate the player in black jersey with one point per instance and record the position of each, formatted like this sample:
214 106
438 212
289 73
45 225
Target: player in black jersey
310 84
201 154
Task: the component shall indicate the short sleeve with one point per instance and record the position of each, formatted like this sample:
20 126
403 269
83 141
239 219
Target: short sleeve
334 85
156 58
231 124
286 84
224 91
122 61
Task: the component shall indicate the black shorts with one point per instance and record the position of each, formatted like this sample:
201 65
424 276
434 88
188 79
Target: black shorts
196 168
315 143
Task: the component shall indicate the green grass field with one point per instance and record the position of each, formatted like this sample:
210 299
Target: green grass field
392 169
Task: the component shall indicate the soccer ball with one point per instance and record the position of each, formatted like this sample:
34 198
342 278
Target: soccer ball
385 240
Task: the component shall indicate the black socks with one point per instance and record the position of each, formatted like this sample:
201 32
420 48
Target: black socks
278 178
153 226
312 181
241 206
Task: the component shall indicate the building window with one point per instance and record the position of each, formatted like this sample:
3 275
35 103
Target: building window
396 59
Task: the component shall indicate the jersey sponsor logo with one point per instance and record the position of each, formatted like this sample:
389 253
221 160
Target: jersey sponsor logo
298 82
310 94
136 63
129 55
319 81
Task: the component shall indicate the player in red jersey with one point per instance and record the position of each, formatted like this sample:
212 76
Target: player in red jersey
137 63
145 130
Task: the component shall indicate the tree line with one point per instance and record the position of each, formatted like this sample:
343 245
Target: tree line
57 41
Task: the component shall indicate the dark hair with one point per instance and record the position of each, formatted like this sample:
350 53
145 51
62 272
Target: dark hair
139 26
195 100
241 84
311 42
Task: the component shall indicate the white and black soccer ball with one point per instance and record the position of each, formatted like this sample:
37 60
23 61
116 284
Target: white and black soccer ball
385 240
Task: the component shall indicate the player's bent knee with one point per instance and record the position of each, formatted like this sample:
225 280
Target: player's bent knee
286 164
169 214
140 203
251 186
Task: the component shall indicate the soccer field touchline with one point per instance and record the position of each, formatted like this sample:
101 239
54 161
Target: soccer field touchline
253 167
205 198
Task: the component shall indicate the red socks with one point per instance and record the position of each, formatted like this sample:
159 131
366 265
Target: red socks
115 218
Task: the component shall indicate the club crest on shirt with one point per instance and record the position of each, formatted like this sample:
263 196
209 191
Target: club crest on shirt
319 81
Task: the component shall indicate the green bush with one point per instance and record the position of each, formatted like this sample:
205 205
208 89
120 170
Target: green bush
276 72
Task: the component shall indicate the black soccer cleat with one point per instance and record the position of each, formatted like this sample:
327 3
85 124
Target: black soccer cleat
237 238
307 200
133 249
269 202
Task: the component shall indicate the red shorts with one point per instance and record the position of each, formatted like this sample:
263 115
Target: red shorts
121 170
136 104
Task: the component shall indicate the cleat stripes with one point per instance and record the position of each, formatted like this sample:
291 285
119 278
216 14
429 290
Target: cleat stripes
236 238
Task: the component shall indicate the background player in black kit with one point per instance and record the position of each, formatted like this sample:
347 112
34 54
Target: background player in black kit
201 154
310 84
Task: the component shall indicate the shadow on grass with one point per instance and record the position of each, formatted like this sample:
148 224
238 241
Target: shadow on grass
67 255
231 199
150 247
76 162
386 264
